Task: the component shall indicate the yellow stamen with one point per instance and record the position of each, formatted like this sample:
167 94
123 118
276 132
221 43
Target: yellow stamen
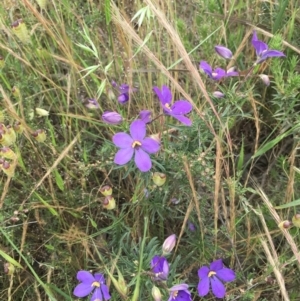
96 284
136 143
211 273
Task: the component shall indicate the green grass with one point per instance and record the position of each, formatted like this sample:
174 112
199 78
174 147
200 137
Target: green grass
229 170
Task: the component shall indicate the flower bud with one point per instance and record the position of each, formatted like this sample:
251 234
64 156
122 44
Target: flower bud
265 79
159 178
18 127
169 244
112 117
7 153
111 95
223 52
109 203
156 294
92 104
106 190
39 135
8 168
8 268
15 91
20 30
41 112
285 224
296 220
218 94
7 135
145 116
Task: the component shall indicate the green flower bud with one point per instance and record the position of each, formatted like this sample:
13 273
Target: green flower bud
106 190
296 220
109 203
159 178
156 294
39 135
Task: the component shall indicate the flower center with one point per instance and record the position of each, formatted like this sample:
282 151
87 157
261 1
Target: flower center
174 294
211 273
168 107
136 144
96 284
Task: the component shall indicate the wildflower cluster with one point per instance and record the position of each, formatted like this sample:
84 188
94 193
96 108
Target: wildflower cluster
138 146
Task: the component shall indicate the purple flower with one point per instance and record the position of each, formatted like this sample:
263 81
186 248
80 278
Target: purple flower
180 292
178 109
160 268
145 116
112 117
262 50
92 104
91 283
212 276
191 226
218 94
169 244
124 93
223 52
216 74
135 144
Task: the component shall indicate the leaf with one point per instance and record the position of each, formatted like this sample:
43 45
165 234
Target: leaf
288 205
10 259
59 180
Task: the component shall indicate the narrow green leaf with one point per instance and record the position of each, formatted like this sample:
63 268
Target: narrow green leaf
59 180
10 259
288 205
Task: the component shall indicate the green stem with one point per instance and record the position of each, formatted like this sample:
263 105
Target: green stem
137 286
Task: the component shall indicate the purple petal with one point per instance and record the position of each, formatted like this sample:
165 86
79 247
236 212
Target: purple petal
164 95
181 107
138 130
150 145
183 119
203 272
123 98
224 52
83 289
226 275
260 47
206 68
124 88
145 116
123 155
218 287
97 295
269 53
254 37
216 265
183 296
105 292
85 276
232 73
179 287
203 287
218 73
142 160
99 278
122 140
